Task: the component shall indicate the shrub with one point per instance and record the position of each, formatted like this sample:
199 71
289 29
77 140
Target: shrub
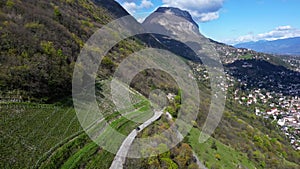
218 157
48 47
10 3
57 12
33 25
214 146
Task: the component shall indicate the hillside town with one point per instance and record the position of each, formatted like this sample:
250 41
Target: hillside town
284 110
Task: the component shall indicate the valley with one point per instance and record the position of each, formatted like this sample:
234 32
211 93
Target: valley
42 127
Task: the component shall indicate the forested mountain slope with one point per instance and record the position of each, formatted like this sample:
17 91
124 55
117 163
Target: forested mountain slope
40 42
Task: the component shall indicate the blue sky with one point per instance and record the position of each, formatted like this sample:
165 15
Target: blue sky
232 21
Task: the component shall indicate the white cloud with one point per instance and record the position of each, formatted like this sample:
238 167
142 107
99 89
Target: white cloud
201 10
281 32
205 17
146 4
141 20
282 28
132 7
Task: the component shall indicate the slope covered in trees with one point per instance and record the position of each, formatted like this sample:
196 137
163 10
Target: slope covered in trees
40 41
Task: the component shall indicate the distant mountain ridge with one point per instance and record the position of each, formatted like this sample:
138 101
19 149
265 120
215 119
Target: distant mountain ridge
289 46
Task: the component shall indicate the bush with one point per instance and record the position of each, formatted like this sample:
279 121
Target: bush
214 146
33 25
57 12
218 157
10 3
108 63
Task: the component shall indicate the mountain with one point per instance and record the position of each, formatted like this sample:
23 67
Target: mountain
188 27
289 46
175 18
177 12
40 42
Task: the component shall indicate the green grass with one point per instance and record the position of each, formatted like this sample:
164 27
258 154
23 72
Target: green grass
81 151
170 163
58 157
112 116
81 155
30 130
246 57
101 160
50 136
141 114
222 156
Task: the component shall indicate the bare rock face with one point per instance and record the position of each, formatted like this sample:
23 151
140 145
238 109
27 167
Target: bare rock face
172 20
178 12
177 23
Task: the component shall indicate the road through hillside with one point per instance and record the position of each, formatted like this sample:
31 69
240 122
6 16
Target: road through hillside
120 157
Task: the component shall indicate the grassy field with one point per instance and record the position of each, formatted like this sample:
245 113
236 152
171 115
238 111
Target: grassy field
214 154
246 57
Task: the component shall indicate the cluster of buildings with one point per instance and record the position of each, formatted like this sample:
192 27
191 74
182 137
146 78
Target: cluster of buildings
294 61
285 110
281 109
229 54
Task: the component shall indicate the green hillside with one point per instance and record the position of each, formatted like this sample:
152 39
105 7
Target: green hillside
39 44
40 41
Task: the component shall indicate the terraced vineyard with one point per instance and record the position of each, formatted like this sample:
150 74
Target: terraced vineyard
53 137
79 151
30 130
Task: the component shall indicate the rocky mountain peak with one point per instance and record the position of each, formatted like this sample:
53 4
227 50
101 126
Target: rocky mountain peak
178 12
172 20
